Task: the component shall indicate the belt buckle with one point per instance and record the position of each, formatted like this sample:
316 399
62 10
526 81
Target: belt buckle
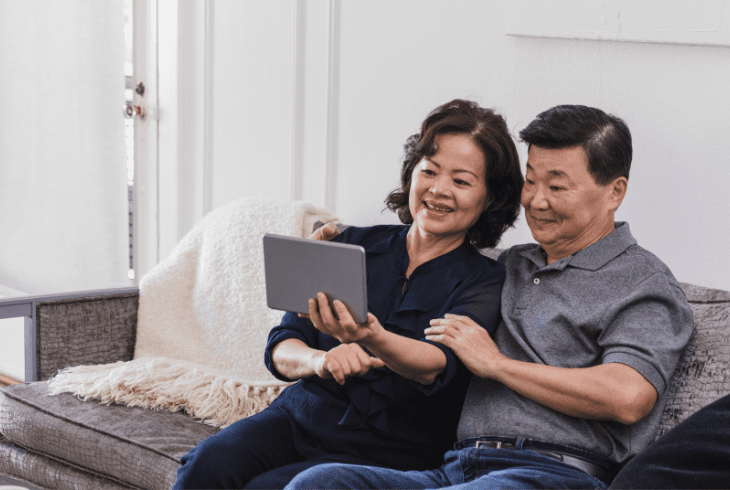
489 444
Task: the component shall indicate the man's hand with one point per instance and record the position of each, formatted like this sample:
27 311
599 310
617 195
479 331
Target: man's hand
344 361
469 341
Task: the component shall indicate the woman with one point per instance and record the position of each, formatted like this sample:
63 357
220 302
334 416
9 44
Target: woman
379 393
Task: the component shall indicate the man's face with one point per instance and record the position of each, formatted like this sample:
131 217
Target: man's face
565 209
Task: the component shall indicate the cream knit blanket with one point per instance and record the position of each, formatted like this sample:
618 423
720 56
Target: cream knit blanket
203 321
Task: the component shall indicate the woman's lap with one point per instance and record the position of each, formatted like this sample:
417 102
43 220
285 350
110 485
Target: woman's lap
240 452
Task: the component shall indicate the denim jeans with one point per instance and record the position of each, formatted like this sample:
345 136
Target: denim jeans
464 469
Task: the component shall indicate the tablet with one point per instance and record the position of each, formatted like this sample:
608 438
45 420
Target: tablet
296 269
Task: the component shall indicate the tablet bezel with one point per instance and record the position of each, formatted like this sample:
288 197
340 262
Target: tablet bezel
296 269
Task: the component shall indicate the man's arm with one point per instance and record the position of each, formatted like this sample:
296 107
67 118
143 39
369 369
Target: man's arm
614 392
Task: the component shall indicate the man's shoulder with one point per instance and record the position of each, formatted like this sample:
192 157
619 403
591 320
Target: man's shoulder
643 264
517 250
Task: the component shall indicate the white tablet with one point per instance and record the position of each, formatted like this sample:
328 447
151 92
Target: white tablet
297 269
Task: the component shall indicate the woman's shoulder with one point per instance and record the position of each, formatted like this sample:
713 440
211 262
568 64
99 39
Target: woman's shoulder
478 267
369 235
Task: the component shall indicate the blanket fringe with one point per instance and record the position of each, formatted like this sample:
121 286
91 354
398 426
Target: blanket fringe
161 383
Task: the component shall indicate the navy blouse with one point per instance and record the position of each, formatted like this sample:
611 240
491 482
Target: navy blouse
383 417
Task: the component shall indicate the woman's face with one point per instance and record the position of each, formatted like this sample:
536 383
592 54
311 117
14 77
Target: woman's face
449 189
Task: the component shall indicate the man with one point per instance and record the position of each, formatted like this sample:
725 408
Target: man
574 382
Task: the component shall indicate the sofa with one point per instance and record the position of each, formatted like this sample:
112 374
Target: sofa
63 442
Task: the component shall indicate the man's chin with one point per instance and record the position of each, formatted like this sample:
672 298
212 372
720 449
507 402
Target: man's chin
541 236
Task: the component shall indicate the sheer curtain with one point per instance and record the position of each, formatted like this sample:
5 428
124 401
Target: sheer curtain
64 222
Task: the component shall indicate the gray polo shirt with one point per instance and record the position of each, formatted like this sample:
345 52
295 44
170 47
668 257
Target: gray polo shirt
613 301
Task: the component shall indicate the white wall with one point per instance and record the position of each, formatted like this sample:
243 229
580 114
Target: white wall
334 109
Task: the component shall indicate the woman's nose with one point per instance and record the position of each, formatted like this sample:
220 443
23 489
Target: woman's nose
440 186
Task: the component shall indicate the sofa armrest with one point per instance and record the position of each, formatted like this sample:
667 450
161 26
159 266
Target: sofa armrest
86 327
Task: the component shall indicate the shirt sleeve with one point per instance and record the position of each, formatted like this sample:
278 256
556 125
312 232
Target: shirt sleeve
648 330
291 327
479 298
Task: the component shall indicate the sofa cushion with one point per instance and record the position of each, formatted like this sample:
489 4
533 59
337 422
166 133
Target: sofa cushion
18 464
703 373
137 446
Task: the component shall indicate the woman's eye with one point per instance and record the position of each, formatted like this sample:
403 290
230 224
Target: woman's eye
427 171
461 182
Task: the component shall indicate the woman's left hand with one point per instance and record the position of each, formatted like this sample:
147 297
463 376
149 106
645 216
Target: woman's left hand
341 326
469 341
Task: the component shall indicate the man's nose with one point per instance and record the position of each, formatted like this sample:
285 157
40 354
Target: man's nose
537 198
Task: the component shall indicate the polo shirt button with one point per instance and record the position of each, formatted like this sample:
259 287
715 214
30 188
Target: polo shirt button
536 280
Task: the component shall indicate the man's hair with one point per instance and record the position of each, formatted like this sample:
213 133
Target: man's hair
605 138
504 179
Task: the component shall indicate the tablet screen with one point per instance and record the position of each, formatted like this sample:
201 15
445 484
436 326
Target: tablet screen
297 269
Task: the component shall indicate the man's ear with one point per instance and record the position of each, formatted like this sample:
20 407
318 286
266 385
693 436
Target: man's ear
617 191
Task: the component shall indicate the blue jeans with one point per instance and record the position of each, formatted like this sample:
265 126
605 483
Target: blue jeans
464 469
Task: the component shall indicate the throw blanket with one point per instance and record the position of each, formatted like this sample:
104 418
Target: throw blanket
203 321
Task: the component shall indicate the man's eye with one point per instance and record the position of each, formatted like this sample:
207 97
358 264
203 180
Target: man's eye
555 188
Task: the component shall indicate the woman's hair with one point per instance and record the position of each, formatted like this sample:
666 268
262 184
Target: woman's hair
504 180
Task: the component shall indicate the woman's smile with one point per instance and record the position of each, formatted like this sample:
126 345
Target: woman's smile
438 208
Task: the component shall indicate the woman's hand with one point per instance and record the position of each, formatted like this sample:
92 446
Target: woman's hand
344 361
294 360
325 232
340 324
469 341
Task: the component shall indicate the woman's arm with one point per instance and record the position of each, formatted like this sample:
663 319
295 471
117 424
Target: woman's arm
412 359
294 360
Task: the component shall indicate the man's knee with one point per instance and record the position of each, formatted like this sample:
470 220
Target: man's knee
320 477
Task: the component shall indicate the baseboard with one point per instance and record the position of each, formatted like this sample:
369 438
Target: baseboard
5 380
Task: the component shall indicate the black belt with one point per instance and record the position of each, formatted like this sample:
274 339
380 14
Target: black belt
599 467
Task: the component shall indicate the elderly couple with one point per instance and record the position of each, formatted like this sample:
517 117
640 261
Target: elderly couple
547 368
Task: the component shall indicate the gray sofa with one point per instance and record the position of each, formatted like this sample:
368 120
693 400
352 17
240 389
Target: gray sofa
61 442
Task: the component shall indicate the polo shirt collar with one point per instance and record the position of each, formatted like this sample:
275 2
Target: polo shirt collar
594 256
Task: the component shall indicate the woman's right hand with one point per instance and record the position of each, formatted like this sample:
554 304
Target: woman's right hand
344 361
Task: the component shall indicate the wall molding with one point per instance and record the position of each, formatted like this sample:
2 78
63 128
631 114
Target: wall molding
704 22
333 39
